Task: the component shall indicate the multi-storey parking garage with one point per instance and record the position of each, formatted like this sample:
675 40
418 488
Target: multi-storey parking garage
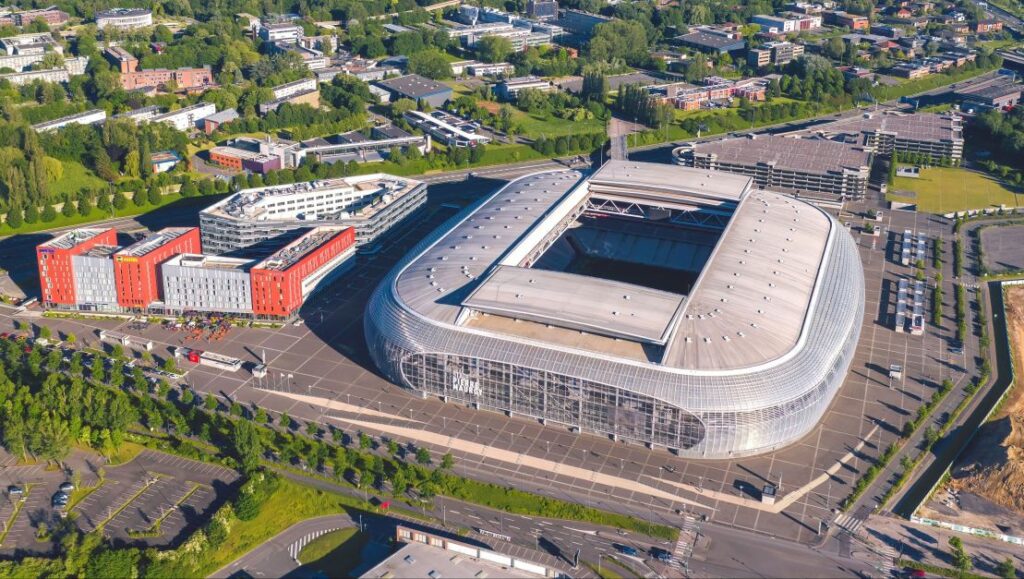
654 303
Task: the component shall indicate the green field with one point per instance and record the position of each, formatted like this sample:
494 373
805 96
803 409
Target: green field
948 189
76 177
533 126
334 554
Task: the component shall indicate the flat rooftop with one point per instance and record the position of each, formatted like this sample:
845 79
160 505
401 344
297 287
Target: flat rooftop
414 86
210 262
102 251
73 238
577 302
918 126
153 241
819 156
1001 87
253 204
419 561
289 255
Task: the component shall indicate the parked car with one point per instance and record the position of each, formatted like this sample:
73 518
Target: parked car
15 491
66 487
60 499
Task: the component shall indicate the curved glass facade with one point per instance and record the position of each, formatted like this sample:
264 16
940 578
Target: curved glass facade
699 414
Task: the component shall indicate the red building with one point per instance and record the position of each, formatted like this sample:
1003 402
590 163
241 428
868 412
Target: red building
136 266
282 282
54 258
184 78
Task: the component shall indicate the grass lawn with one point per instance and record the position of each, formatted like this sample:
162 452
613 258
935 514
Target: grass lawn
75 178
289 504
125 453
335 554
534 126
948 189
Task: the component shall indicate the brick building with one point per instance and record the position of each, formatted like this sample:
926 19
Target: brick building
183 78
55 258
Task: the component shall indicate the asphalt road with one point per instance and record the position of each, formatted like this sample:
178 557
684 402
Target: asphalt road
273 558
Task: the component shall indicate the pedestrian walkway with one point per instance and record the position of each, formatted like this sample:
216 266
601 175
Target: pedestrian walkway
683 550
888 564
295 548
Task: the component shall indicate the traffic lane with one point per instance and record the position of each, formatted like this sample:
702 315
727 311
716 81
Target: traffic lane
271 559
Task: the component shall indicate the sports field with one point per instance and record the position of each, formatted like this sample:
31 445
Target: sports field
947 189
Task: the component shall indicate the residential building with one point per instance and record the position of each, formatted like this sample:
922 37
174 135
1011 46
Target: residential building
126 18
542 9
187 79
417 88
786 23
581 23
712 40
774 53
90 117
302 91
214 121
851 21
509 89
136 267
31 43
988 26
689 97
281 32
444 132
51 15
815 167
122 59
140 115
186 118
494 69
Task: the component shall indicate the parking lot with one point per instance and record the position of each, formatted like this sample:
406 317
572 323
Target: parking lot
325 364
1002 248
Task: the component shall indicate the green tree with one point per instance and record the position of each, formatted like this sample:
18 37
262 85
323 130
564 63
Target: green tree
247 445
15 218
45 332
961 560
120 202
1006 569
31 214
447 461
49 213
430 63
493 48
111 562
211 402
422 455
153 195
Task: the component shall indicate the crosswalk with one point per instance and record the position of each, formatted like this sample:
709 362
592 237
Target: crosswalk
848 523
888 564
683 549
295 548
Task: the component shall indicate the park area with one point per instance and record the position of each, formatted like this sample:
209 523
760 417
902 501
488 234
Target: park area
948 189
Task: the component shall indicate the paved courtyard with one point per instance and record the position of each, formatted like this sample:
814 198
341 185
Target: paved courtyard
321 372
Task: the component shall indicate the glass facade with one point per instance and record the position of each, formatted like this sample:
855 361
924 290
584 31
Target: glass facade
700 414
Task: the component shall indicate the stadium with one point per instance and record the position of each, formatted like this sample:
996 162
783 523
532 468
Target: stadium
666 305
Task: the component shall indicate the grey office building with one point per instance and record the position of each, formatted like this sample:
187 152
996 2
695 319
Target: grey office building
94 279
271 217
207 283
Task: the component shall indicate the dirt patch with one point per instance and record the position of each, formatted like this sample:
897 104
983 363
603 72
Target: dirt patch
489 106
987 486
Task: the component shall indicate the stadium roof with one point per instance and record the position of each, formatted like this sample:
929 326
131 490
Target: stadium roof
748 306
577 302
806 155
